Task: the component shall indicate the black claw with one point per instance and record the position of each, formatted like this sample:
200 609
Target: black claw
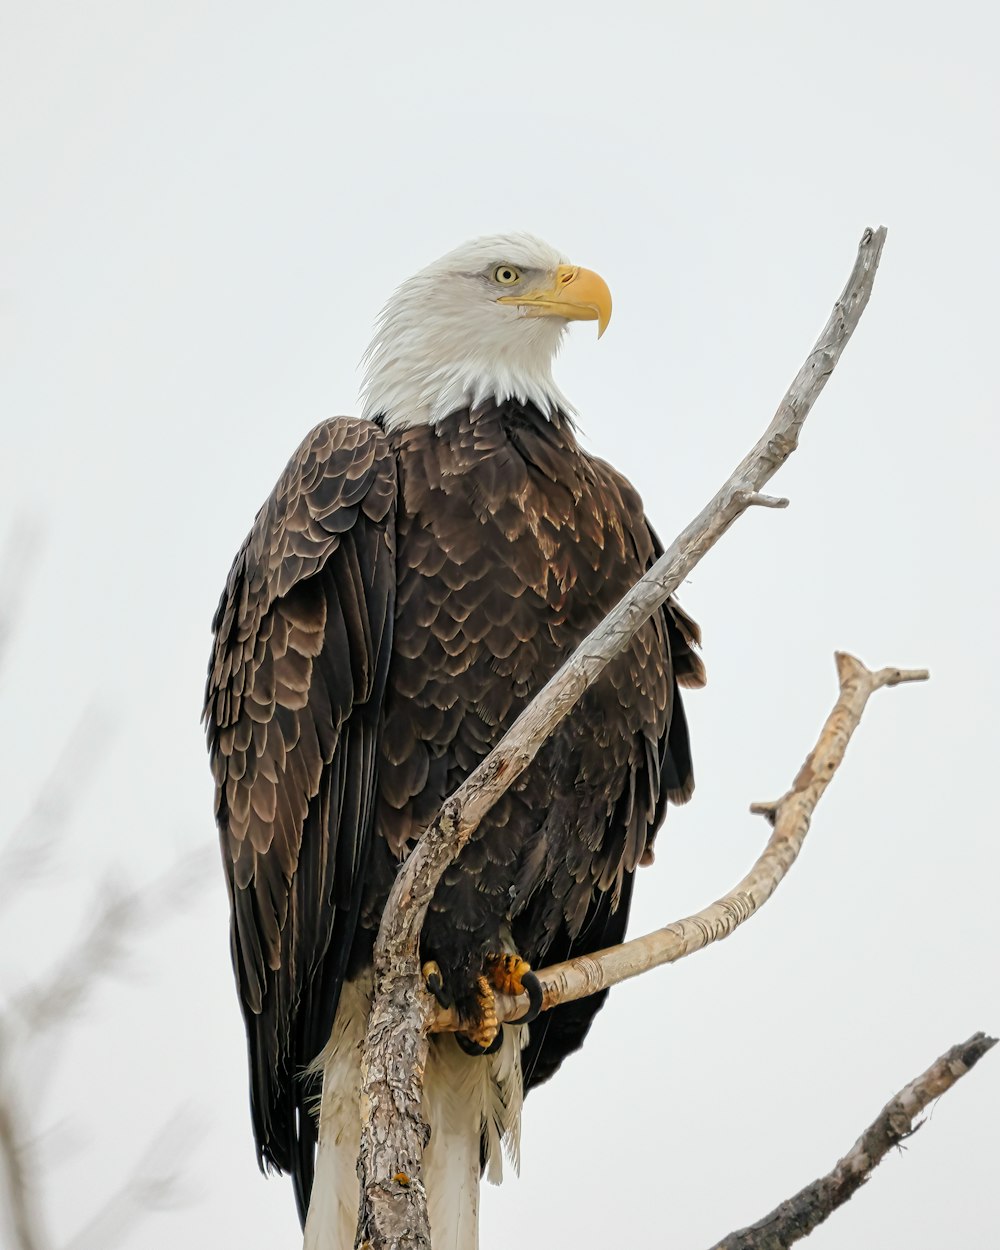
471 1048
533 988
436 986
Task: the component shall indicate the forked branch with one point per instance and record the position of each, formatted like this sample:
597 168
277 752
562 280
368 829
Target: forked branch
393 1207
790 816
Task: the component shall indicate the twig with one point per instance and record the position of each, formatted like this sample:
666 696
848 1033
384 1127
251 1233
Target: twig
154 1184
790 817
40 1014
393 1212
798 1216
23 1214
768 501
49 1000
27 853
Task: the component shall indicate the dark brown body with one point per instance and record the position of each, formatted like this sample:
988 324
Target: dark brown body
512 544
400 599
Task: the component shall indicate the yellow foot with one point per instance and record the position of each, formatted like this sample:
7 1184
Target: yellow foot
481 1032
510 974
485 1029
505 973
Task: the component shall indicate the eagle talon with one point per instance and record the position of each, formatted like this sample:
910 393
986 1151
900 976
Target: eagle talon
510 974
481 1034
533 988
473 1048
434 981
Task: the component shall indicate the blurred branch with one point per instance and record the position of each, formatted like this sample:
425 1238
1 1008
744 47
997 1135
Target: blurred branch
35 1021
114 916
154 1184
46 1007
790 817
21 1204
798 1216
27 852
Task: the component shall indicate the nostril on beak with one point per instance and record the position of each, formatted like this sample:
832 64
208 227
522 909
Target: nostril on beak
568 275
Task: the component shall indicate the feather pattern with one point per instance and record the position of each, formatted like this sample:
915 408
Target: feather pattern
303 638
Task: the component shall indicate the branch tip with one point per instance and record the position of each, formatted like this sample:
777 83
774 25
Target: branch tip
896 676
757 500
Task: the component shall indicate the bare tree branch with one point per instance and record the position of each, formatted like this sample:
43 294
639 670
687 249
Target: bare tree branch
393 1206
790 816
154 1184
28 850
96 953
20 1196
37 1018
798 1216
34 1020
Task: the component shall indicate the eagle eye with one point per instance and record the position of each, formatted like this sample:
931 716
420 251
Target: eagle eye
506 275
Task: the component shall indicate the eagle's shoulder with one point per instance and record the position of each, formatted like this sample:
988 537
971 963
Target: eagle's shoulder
343 468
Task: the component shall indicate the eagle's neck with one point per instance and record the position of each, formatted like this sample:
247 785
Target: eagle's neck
425 363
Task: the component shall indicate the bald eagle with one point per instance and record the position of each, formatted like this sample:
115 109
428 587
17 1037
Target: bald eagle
415 577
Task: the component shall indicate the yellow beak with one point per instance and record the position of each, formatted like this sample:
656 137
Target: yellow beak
576 294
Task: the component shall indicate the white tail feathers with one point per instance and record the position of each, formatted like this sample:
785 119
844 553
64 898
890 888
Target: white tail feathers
471 1104
333 1207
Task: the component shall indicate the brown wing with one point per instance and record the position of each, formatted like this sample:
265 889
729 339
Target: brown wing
303 635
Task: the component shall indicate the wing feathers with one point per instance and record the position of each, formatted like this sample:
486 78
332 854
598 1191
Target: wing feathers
302 643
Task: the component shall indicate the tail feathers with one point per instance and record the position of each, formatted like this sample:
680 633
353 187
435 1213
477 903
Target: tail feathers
473 1106
332 1216
453 1106
304 1142
502 1098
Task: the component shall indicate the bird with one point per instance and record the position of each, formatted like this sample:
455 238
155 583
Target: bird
415 577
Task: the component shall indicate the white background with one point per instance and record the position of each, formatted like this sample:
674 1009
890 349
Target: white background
204 205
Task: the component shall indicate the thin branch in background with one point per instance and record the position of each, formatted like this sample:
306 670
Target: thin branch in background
798 1216
155 1184
18 1170
27 852
393 1212
34 1022
98 951
40 1016
790 817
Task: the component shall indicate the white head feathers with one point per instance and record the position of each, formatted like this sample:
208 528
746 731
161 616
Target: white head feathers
443 341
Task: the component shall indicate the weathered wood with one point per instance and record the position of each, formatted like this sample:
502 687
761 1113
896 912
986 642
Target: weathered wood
798 1216
393 1203
394 1214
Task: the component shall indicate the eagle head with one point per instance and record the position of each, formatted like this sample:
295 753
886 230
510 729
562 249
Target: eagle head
483 322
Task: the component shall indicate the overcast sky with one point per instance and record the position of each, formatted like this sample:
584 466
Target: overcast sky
204 205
